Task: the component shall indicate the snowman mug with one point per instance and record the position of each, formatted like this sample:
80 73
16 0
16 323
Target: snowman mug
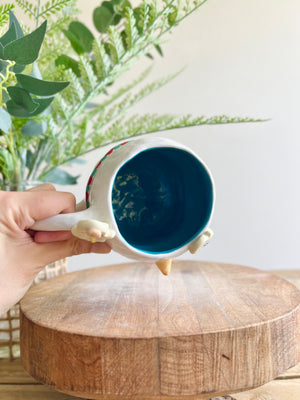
150 199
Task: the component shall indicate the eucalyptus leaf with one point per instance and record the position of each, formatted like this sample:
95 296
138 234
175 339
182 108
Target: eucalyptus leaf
5 120
5 96
40 87
61 177
102 18
42 105
16 110
29 158
9 36
83 34
75 42
22 98
18 68
13 20
80 37
109 5
68 63
26 49
22 112
32 128
3 66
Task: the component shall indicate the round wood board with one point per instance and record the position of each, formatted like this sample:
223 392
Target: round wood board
128 332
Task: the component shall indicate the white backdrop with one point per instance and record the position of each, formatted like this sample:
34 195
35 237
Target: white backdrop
242 58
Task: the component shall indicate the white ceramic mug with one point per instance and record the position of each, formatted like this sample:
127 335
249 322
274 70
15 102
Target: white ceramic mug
149 198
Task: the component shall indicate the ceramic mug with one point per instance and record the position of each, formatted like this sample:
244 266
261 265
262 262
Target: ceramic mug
149 198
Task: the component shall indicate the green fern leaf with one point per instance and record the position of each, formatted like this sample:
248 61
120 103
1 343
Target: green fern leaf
102 60
131 32
74 92
4 10
81 142
115 44
62 110
149 123
88 78
142 15
27 7
153 12
99 109
53 7
111 113
77 124
52 127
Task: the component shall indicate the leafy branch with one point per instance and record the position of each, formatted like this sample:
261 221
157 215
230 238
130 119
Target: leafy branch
40 11
58 99
114 53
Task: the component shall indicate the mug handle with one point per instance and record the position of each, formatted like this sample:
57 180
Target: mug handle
80 223
61 222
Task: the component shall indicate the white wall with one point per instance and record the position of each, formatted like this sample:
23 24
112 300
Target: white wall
242 58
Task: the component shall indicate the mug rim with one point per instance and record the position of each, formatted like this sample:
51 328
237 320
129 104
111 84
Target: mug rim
165 143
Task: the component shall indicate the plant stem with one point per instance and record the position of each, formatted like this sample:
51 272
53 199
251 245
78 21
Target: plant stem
11 147
37 160
37 17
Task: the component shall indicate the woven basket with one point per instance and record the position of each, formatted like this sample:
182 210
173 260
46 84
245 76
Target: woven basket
10 322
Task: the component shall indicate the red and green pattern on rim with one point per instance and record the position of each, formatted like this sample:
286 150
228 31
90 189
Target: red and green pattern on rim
91 178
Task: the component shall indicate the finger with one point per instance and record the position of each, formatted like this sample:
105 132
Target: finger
46 237
42 187
43 204
45 253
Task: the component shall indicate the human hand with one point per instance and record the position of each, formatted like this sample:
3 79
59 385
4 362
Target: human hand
24 253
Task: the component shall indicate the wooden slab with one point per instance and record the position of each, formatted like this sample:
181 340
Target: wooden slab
287 390
14 386
128 332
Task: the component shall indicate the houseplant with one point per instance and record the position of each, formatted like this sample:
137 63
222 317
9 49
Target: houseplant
51 76
58 95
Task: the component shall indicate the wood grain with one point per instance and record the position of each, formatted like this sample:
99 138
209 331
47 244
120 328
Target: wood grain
272 391
16 384
127 331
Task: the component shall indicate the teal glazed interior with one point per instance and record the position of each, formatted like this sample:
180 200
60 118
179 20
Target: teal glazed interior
162 199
